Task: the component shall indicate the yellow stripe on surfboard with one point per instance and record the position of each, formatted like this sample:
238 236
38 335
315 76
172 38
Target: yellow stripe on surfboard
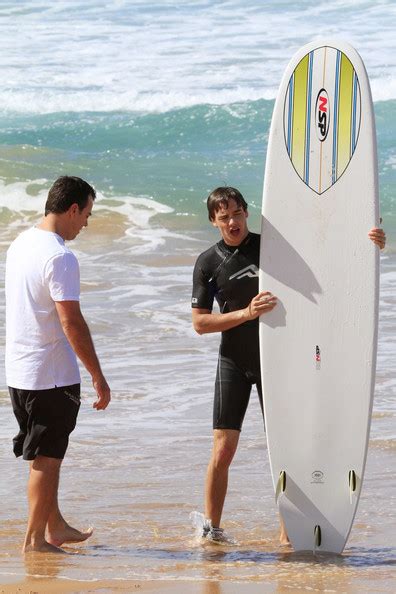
344 115
300 116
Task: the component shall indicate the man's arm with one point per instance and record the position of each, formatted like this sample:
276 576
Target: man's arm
77 333
204 321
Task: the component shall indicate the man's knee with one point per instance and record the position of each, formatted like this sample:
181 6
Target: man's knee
224 449
223 456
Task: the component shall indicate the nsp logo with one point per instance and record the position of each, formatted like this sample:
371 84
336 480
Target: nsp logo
322 115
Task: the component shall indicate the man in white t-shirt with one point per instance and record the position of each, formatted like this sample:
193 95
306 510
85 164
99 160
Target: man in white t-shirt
45 330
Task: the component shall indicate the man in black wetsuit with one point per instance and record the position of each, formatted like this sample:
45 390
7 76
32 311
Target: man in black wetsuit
228 272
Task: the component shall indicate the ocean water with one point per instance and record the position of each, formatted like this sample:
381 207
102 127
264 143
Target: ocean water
157 103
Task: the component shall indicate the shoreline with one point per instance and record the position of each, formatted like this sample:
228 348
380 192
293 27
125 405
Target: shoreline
65 586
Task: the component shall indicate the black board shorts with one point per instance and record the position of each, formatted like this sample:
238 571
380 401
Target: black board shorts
232 393
46 418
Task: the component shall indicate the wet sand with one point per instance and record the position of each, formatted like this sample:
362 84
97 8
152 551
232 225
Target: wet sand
33 586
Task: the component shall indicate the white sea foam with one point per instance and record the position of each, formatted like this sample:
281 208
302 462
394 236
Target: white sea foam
17 198
391 162
97 55
31 196
27 200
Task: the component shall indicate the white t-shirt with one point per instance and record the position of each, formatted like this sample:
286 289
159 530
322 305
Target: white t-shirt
40 270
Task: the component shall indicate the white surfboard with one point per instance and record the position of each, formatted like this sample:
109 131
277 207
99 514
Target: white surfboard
318 346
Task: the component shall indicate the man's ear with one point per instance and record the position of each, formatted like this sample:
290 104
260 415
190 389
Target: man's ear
73 208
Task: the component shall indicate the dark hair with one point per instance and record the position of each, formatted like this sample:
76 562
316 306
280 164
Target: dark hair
220 197
68 190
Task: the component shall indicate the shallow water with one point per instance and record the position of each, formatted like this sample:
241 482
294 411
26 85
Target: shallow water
136 471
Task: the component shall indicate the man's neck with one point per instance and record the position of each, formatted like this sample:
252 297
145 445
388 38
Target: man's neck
51 222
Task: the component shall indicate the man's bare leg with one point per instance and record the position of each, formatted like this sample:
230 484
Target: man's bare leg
42 492
225 443
283 537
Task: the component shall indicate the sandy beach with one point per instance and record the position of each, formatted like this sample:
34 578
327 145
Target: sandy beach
39 586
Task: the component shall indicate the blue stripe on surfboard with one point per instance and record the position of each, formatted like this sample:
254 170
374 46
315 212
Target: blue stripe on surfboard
335 120
354 104
308 123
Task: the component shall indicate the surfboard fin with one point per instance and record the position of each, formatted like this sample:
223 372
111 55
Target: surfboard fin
281 485
352 483
317 537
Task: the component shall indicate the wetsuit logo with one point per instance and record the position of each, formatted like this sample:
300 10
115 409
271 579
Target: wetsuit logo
250 271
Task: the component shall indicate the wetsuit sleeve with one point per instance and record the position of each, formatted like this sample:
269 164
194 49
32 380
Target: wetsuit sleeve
203 287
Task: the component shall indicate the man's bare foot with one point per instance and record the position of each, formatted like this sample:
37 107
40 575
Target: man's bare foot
43 547
66 533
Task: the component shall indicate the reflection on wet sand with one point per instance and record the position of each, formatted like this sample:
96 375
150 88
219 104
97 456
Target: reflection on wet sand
43 565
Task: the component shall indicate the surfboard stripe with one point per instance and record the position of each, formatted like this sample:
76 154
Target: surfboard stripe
335 126
308 130
321 144
344 115
290 114
354 109
300 115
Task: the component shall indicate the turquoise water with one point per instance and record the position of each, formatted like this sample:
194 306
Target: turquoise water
169 99
175 157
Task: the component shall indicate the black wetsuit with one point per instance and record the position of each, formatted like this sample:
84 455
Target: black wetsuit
230 275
